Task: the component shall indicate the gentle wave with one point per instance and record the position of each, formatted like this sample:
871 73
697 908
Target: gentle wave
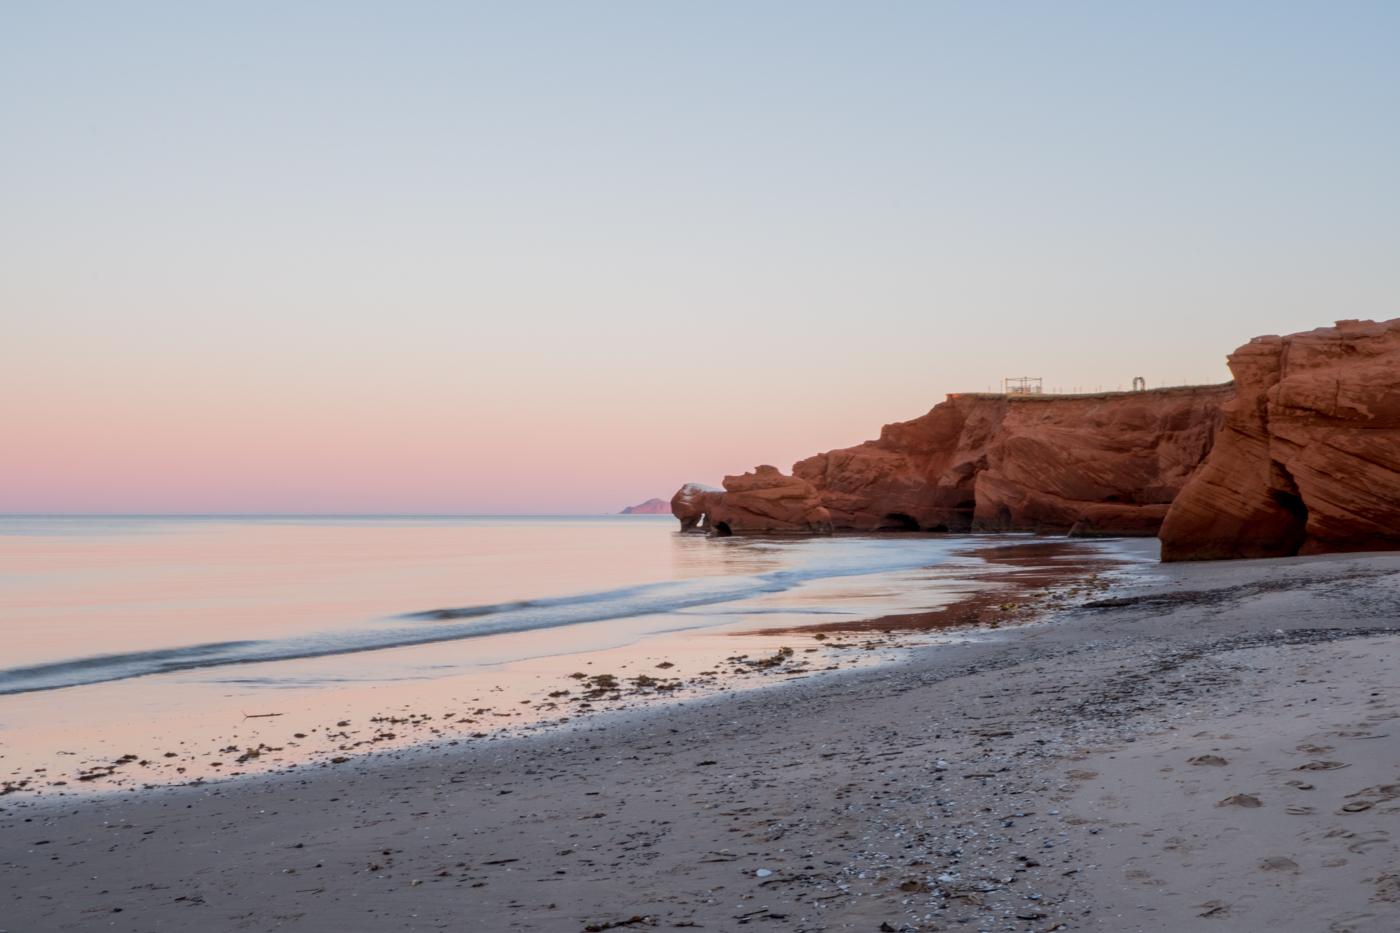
454 624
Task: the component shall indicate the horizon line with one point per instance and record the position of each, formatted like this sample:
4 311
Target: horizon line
4 515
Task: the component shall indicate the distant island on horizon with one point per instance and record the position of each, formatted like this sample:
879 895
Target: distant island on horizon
649 507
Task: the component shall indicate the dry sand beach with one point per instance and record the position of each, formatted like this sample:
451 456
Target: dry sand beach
1206 749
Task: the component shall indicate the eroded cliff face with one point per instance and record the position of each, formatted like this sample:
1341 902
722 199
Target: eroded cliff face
919 475
1100 465
1106 464
1308 461
762 502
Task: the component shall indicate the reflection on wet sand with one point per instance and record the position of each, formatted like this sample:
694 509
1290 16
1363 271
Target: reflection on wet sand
1018 583
703 556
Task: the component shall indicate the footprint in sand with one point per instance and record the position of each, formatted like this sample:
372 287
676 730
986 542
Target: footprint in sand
1207 760
1384 791
1241 800
1278 863
1322 766
1388 888
1299 811
1361 845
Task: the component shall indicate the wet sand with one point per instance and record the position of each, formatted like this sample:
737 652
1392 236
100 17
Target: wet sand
1207 749
210 725
1018 584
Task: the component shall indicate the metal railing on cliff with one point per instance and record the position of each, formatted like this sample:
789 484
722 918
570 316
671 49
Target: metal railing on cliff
1098 392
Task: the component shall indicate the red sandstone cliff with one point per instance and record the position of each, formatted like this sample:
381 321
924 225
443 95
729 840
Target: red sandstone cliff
693 503
1309 459
762 502
1105 464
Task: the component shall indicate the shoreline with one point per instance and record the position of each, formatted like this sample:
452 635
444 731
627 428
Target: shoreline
976 783
261 731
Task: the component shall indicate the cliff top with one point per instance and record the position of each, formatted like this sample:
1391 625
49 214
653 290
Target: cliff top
1051 396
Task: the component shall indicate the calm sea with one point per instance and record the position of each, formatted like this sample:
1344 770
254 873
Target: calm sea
159 632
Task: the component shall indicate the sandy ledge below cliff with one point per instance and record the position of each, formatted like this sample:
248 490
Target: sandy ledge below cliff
1207 749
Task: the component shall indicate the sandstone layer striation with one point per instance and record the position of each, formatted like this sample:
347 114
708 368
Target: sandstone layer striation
1308 461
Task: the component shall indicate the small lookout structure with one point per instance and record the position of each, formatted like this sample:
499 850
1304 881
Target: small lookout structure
1022 385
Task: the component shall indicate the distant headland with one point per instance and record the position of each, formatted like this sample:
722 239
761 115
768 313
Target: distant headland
649 507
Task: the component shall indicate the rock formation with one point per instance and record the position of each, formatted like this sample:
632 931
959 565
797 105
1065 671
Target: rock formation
649 507
1102 464
693 505
1300 455
1308 461
762 502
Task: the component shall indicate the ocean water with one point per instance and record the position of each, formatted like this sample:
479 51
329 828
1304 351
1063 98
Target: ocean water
165 632
87 600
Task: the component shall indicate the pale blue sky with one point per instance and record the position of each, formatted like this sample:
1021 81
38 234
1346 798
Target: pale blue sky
567 256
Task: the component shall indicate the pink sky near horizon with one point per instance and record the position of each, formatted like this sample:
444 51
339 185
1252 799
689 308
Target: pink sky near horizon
424 451
494 260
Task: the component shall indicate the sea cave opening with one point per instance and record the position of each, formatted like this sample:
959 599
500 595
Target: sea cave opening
1291 521
897 521
722 530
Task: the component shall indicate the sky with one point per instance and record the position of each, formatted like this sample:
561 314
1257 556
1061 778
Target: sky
558 257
